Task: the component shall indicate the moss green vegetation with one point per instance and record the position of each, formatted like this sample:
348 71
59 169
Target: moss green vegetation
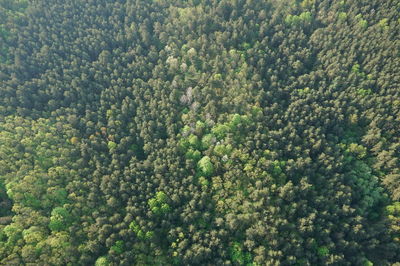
193 132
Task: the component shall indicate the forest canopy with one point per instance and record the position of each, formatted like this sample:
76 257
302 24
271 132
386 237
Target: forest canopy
199 132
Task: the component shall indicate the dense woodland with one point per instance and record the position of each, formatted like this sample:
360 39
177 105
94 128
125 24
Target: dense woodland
199 132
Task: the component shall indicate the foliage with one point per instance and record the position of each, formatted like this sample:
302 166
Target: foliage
199 133
60 219
205 166
393 212
112 145
207 141
357 150
102 261
118 247
239 256
303 18
323 251
158 205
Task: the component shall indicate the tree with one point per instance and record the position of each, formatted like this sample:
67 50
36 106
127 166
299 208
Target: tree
205 166
60 219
